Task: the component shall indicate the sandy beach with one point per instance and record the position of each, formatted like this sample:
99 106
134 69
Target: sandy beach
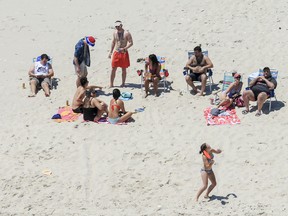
150 166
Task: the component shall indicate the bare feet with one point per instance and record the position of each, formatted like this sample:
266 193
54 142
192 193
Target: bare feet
32 95
122 85
146 95
47 94
206 197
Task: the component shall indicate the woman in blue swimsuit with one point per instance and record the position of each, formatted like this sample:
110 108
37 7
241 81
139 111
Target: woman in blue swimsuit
206 171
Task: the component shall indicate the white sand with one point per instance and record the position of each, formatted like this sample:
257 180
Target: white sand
151 166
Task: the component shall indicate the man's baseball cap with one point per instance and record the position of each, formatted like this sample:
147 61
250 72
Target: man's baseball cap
118 23
90 40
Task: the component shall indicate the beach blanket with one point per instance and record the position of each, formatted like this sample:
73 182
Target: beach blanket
231 119
67 115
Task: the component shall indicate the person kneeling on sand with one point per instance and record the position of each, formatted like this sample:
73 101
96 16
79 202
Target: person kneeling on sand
152 73
77 104
232 92
40 76
259 91
206 171
93 108
117 106
198 65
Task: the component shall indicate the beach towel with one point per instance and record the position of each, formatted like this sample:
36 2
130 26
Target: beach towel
230 117
67 115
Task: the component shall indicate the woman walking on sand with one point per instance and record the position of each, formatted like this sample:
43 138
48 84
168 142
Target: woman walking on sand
206 171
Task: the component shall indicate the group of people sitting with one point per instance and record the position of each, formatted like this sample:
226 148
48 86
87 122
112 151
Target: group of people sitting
259 90
85 101
41 72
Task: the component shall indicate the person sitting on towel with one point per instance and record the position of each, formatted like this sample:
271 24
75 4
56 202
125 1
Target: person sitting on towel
77 103
93 108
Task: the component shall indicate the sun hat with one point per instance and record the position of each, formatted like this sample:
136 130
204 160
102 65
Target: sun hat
90 40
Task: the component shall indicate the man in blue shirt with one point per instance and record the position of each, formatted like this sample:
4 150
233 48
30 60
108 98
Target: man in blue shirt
82 57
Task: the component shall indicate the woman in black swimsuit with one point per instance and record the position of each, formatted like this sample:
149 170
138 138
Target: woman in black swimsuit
152 73
93 108
206 171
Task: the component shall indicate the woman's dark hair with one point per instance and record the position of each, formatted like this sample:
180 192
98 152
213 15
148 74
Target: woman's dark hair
83 81
202 148
154 59
116 94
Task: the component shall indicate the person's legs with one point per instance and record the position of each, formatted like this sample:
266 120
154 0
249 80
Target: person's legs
146 85
46 88
33 87
203 83
124 73
112 77
248 95
125 117
190 83
262 97
212 178
204 177
155 85
83 73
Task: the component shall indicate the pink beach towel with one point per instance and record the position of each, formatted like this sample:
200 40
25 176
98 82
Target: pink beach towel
221 120
67 115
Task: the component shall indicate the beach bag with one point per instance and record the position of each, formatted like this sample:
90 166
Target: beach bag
239 102
127 95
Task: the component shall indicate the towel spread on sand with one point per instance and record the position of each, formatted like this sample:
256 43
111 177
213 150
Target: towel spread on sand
67 115
231 119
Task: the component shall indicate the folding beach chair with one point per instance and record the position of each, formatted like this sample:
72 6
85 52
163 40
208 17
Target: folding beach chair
274 74
53 80
163 73
209 71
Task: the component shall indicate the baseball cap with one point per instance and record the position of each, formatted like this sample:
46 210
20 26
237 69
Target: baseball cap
90 40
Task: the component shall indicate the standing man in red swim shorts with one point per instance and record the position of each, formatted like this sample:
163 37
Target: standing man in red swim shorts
121 42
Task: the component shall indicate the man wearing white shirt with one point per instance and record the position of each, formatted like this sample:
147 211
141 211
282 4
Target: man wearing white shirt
40 75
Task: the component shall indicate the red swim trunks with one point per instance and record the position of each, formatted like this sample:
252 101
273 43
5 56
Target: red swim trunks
120 59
